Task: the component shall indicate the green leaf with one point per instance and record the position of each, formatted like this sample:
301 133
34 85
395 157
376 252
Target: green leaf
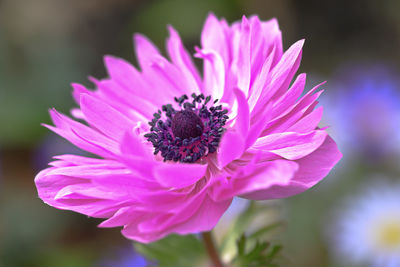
255 254
174 251
243 223
238 227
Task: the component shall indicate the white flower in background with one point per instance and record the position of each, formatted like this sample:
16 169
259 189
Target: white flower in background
367 229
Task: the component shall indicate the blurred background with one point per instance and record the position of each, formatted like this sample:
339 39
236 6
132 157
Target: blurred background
47 44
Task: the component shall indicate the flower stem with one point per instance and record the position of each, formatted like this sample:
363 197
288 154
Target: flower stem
211 250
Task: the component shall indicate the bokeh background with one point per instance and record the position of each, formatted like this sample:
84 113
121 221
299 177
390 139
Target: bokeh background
47 44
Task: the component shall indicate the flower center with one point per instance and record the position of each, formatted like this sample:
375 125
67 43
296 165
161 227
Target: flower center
189 133
186 124
388 235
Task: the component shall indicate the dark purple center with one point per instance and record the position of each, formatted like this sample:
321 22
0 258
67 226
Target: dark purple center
189 130
186 124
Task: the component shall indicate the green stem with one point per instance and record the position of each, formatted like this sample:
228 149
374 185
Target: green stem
211 250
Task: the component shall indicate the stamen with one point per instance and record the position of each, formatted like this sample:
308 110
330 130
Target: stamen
188 134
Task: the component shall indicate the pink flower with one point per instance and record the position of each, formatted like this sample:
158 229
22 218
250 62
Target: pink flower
174 147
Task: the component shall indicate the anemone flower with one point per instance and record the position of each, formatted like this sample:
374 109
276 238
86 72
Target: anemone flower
174 147
366 229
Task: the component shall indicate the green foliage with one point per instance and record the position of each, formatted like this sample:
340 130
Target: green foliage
243 223
261 254
174 251
251 248
154 16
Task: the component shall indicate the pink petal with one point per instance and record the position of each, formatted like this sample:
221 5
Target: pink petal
126 100
127 78
312 169
156 225
71 188
241 63
205 218
135 145
214 73
260 178
188 207
318 164
83 136
277 191
78 160
85 191
131 231
286 66
49 185
289 98
123 216
213 38
105 118
97 208
230 148
257 128
77 114
258 51
243 116
181 58
120 70
294 113
90 171
140 165
168 78
79 89
291 145
308 122
283 88
280 73
303 103
273 38
259 82
161 222
145 50
178 175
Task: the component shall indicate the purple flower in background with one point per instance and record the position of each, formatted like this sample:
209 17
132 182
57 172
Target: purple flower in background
365 109
125 257
50 146
174 147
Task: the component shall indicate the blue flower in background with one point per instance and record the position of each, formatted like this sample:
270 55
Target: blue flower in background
125 257
50 146
363 105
